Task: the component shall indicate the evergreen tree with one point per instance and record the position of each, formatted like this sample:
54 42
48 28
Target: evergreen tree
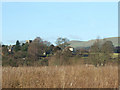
25 47
17 46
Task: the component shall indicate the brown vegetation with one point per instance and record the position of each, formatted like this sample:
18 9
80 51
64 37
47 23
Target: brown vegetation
83 76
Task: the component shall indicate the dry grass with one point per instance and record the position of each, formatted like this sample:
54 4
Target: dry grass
60 77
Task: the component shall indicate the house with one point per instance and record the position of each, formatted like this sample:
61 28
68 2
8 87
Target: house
69 48
10 49
44 53
28 41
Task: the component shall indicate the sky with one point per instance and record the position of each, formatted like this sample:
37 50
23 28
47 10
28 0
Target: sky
49 20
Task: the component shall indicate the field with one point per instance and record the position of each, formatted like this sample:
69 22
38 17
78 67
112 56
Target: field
82 76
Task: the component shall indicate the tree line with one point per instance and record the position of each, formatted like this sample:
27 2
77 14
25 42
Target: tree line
42 53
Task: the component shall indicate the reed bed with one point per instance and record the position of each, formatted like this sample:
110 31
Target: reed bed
83 76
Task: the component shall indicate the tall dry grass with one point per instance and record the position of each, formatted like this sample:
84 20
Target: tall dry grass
60 77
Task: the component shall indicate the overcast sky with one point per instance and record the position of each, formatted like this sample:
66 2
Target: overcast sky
50 20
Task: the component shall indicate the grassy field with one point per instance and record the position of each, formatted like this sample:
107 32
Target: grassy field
60 77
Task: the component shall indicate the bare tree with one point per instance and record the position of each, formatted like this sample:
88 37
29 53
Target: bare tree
36 48
62 42
106 51
95 53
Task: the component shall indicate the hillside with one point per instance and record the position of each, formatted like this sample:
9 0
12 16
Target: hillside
85 44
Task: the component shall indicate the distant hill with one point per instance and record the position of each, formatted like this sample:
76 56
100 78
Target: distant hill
86 44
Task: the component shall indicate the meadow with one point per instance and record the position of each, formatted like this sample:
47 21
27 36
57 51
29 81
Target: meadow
79 76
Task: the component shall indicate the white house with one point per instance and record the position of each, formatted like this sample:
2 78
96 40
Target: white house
71 49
